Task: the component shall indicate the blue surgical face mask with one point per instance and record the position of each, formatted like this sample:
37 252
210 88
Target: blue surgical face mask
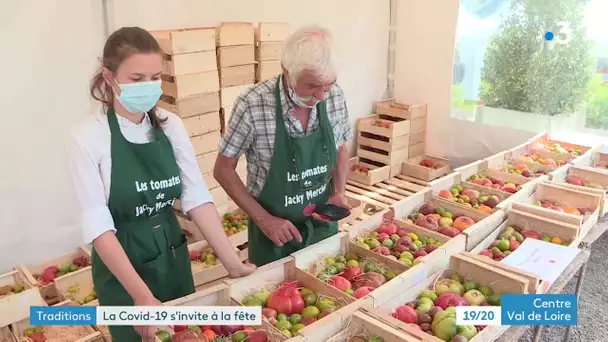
139 97
301 101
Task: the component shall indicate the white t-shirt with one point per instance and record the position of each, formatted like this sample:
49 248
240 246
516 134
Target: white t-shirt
89 155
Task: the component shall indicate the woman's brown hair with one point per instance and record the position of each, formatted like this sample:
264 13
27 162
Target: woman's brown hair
120 45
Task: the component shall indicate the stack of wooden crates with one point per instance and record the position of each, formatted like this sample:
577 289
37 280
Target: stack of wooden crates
191 87
394 134
269 38
236 57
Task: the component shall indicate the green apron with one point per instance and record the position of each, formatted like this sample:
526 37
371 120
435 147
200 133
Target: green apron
144 184
299 175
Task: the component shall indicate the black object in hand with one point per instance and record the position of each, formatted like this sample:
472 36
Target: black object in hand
332 212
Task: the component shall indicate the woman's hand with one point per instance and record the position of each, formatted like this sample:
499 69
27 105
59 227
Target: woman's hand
147 333
242 271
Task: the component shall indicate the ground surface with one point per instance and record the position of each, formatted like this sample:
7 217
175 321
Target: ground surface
592 303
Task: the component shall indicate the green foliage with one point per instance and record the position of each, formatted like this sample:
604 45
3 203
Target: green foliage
597 110
458 99
520 74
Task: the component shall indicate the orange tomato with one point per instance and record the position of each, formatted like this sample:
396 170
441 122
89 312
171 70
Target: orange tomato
573 211
210 334
556 240
229 233
486 209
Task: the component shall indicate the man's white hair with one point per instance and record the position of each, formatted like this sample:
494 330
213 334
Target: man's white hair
310 49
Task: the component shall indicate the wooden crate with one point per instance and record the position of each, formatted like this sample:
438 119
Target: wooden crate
539 144
202 124
203 275
365 212
189 63
206 162
484 223
230 34
186 40
183 86
206 143
529 222
362 324
368 136
47 291
237 239
104 330
356 211
219 196
374 174
567 197
441 190
417 150
237 75
16 306
600 160
470 269
272 32
266 70
522 154
6 335
385 193
191 105
436 260
395 129
225 115
229 56
595 181
283 271
391 107
85 333
76 286
383 157
415 138
413 168
210 180
230 94
396 173
311 258
269 51
526 185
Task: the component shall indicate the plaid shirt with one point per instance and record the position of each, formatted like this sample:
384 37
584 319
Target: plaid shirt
252 126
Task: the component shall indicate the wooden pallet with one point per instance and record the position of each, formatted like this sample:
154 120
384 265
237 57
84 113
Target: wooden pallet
368 211
413 180
383 194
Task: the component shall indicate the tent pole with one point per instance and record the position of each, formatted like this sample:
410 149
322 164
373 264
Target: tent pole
392 42
106 17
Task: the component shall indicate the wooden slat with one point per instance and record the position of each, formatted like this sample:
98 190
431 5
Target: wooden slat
404 184
370 194
394 189
383 192
367 200
413 180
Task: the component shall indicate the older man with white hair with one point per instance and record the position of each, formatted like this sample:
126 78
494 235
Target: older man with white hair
293 130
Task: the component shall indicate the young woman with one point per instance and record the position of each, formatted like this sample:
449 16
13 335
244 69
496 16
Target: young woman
129 165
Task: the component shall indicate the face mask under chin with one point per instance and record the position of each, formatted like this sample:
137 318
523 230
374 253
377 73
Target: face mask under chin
302 101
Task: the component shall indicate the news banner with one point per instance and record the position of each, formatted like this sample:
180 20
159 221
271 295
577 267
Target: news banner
515 309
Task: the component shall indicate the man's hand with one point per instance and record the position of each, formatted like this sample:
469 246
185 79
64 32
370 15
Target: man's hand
147 333
338 201
278 230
